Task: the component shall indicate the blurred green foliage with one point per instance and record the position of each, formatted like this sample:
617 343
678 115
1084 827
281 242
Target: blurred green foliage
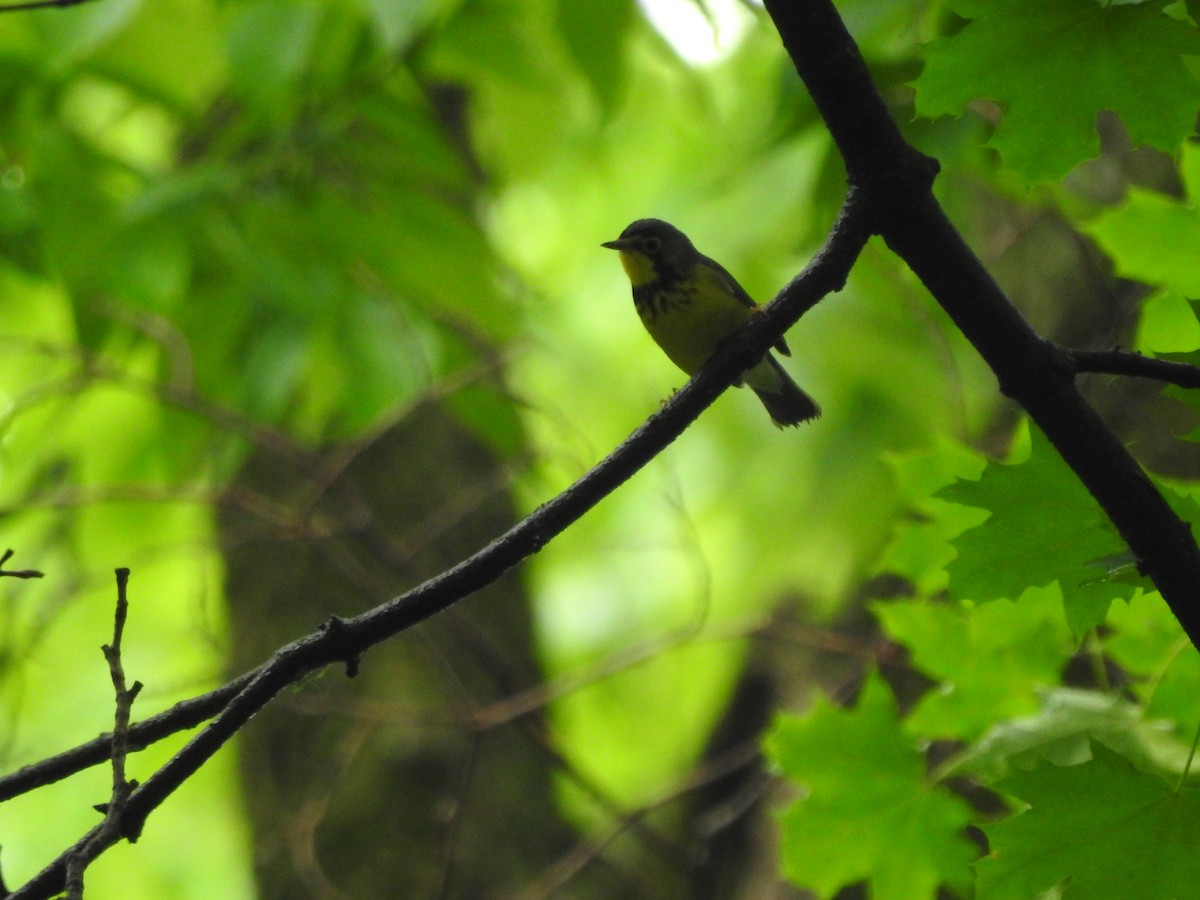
230 223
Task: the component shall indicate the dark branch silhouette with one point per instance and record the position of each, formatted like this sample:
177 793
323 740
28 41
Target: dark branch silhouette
40 4
114 811
182 716
1031 370
1122 362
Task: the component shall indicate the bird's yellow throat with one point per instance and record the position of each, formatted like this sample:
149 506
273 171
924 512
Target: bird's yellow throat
638 267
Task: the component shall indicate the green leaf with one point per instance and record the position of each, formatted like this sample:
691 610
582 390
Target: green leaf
1044 527
1168 324
1077 819
1054 66
69 39
1164 666
406 142
921 547
152 56
991 660
398 24
1136 233
1061 733
269 45
499 38
869 813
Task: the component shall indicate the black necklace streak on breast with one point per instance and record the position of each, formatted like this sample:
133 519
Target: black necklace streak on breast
656 297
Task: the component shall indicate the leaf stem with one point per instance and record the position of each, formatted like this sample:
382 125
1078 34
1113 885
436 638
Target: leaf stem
1187 767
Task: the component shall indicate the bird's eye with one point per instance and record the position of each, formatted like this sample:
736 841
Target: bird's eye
651 244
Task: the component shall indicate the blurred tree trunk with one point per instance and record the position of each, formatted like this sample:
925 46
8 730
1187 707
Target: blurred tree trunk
383 785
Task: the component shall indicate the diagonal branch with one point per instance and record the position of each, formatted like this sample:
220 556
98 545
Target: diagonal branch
1037 374
344 640
180 717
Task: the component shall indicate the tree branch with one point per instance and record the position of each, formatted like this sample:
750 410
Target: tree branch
344 640
180 717
1123 362
1031 370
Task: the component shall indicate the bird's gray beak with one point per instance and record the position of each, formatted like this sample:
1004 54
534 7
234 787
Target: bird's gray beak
619 244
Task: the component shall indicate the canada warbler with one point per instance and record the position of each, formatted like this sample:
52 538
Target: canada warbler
689 304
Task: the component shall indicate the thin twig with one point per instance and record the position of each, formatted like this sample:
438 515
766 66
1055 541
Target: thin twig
552 881
16 573
110 830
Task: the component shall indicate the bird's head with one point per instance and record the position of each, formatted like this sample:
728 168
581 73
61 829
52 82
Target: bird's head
652 249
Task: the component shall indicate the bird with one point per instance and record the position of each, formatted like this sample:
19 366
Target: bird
689 303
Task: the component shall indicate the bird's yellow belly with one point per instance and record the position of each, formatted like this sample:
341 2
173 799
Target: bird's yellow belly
689 324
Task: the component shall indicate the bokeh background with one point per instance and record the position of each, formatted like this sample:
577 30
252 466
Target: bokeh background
303 300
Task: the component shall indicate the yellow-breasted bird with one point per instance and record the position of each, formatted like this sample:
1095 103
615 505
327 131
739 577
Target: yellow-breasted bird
689 304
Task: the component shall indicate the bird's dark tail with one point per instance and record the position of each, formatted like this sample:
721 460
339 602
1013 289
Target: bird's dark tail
783 398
